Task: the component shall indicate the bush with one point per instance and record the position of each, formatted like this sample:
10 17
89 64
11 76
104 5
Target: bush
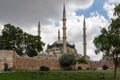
69 68
44 68
88 68
82 60
105 67
66 60
79 68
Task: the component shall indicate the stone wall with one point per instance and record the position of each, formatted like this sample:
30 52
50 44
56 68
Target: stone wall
26 63
35 64
99 64
7 57
83 66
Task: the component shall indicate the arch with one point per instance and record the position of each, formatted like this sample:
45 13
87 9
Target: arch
6 67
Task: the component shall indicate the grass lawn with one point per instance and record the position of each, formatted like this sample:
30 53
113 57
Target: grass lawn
60 75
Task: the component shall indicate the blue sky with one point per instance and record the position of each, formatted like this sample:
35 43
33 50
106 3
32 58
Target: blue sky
97 6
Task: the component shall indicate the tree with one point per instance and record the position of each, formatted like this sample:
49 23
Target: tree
13 38
66 60
82 60
109 40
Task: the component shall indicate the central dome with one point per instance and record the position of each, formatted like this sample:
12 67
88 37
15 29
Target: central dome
58 42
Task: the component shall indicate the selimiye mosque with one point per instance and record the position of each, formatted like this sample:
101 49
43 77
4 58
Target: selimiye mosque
61 45
10 60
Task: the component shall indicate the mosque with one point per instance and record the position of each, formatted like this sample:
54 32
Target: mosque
62 46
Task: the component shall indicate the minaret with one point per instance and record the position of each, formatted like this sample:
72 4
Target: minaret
84 37
39 31
64 31
58 35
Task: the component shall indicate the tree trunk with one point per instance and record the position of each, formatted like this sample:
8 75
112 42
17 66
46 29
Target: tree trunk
115 67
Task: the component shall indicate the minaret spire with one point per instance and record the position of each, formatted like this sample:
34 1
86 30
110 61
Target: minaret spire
84 37
64 12
39 31
58 35
64 31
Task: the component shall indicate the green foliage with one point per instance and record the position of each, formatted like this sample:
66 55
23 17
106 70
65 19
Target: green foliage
13 38
44 68
117 10
66 60
82 60
105 67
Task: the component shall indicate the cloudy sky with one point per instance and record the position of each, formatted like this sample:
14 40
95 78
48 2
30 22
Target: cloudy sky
26 14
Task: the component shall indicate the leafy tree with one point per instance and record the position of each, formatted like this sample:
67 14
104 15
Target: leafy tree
109 40
82 60
66 60
13 38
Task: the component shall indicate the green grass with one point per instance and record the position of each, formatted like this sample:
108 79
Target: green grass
60 75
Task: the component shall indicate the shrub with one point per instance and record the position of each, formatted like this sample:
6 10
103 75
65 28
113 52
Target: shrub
82 60
79 68
44 68
88 68
69 68
105 67
66 60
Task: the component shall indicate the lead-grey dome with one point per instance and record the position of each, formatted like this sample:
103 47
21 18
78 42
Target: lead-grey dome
59 44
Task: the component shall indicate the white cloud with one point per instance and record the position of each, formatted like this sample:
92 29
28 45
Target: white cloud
94 22
1 27
79 4
109 7
114 1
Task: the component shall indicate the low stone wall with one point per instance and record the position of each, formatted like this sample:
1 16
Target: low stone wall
35 64
15 62
99 64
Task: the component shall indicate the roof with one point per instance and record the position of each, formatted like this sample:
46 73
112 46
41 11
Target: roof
59 43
